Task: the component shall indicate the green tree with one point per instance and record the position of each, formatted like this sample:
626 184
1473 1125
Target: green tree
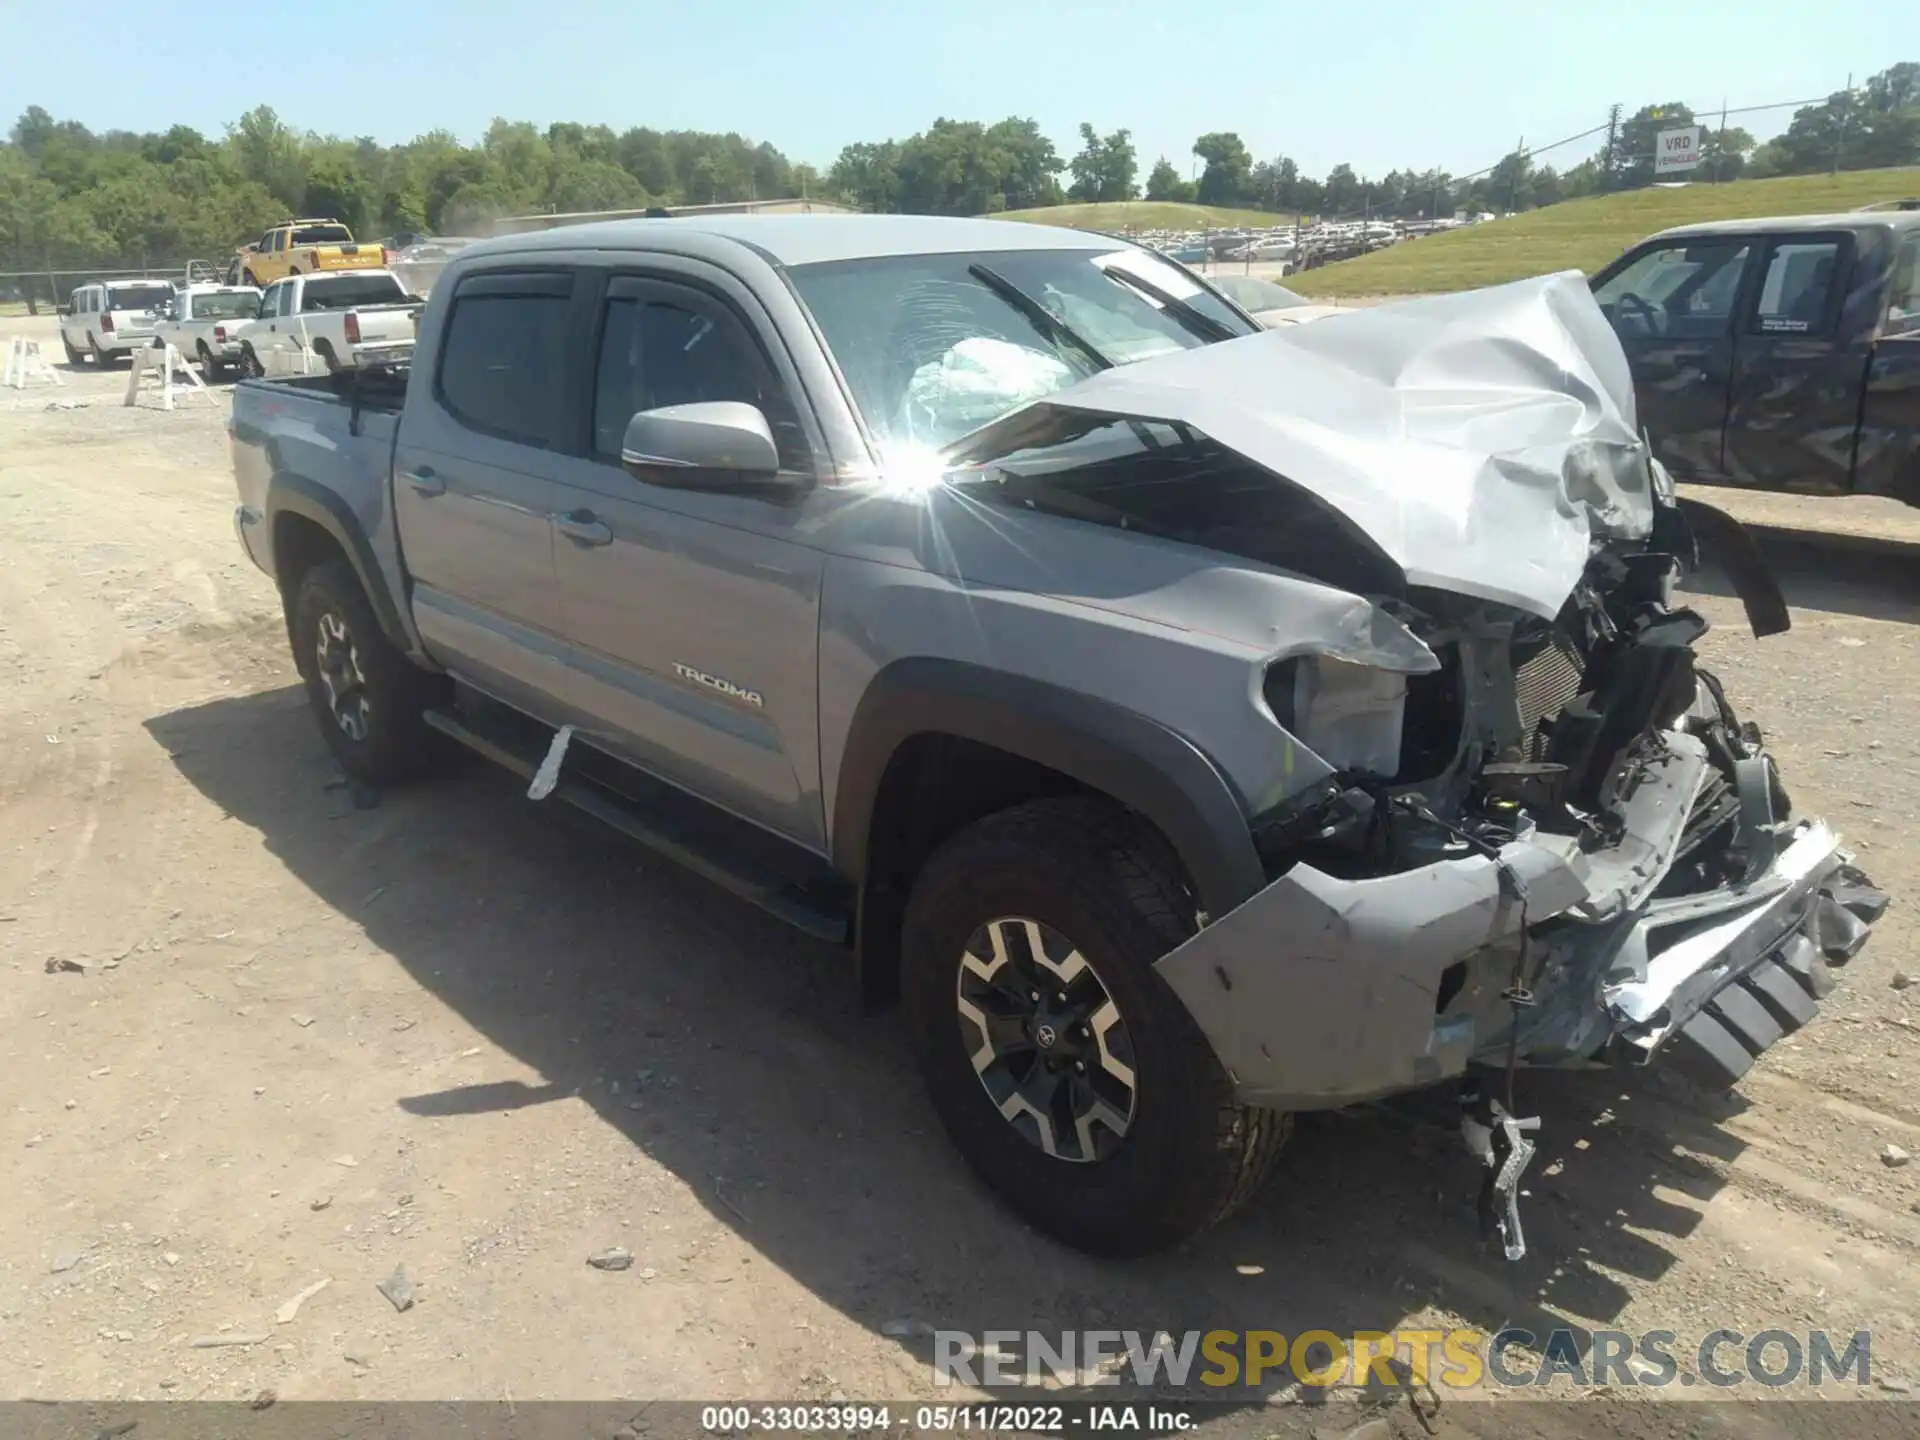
1344 195
337 190
1229 169
1166 183
270 155
1723 154
594 185
869 176
1509 184
1107 167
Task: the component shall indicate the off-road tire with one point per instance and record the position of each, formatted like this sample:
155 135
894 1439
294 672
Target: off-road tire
1099 877
398 744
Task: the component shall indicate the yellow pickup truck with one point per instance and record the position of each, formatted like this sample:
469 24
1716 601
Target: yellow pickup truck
299 247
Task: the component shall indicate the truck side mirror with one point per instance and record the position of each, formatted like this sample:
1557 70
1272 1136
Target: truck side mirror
709 445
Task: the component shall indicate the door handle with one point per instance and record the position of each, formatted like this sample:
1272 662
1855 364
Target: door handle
425 482
584 528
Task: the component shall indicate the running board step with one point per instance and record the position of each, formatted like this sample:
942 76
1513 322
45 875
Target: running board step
740 858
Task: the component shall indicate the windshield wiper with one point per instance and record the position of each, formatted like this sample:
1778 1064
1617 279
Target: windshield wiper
1196 322
1042 319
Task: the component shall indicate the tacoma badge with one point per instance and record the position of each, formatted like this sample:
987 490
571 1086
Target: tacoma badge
725 687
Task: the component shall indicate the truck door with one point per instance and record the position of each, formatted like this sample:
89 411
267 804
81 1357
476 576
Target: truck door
270 338
1887 457
473 498
1797 378
1672 306
692 617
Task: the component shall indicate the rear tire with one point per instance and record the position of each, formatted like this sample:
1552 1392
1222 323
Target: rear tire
367 697
325 352
209 367
250 365
99 355
75 358
1089 881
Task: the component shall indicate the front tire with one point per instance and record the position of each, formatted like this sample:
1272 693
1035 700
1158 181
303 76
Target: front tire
369 698
1098 1111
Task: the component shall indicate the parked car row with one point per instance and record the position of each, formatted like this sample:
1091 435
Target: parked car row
302 324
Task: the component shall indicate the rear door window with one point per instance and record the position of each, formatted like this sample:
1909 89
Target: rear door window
1903 303
1800 286
138 297
322 235
343 292
503 356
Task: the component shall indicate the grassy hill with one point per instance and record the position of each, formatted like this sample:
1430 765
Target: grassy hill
1123 215
1586 234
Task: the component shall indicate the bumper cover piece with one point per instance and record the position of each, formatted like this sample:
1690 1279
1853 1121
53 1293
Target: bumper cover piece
1320 992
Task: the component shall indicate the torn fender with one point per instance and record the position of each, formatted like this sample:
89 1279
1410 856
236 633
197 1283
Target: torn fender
1320 992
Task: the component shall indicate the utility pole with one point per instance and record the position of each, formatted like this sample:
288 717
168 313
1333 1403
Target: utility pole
1613 131
1720 150
1840 137
1513 184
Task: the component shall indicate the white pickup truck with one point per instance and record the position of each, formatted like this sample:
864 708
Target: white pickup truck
203 323
338 320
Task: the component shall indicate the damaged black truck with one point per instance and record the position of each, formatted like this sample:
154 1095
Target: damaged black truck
1191 724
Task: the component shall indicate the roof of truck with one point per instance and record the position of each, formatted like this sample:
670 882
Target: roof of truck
807 239
1779 224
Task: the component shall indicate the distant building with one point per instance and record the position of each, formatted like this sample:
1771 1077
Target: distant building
521 224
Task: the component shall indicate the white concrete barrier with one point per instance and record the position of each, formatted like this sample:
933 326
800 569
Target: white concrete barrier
162 363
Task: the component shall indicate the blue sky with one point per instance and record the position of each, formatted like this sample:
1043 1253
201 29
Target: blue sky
1379 83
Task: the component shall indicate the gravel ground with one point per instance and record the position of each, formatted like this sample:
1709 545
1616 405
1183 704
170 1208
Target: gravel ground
313 1042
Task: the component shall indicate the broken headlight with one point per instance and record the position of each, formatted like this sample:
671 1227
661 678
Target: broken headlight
1349 715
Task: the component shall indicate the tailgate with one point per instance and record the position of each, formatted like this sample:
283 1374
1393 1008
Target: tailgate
386 323
347 257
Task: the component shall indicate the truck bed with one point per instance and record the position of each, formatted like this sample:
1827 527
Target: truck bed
378 388
326 436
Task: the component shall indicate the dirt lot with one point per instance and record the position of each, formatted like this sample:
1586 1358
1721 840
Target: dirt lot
483 1039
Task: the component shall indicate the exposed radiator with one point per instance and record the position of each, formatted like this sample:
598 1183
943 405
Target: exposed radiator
1545 684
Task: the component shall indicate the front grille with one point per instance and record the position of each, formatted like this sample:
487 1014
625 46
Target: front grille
1545 685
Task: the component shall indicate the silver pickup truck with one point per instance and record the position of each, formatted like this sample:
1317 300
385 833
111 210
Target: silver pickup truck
1191 724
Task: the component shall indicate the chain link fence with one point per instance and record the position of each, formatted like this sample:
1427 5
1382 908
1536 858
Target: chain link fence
36 292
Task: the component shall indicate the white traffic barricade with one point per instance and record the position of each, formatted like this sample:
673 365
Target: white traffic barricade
163 362
25 363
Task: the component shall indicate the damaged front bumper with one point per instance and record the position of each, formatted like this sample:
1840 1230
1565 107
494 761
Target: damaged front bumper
1321 992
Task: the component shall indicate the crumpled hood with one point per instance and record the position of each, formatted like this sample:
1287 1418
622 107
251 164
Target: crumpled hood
1482 440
